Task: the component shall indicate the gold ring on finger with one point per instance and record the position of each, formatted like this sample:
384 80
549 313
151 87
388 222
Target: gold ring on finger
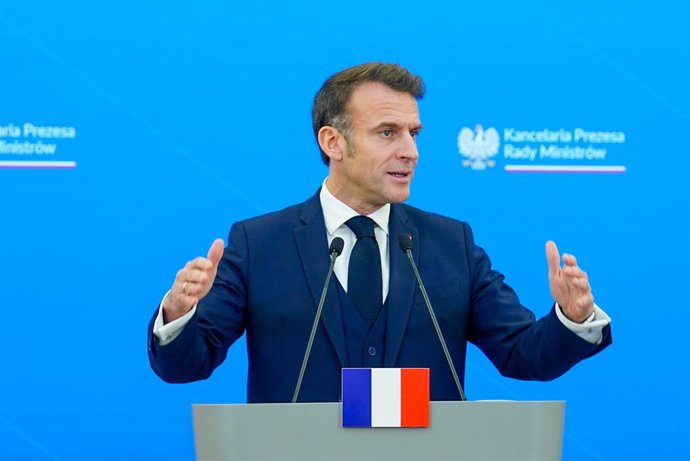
184 287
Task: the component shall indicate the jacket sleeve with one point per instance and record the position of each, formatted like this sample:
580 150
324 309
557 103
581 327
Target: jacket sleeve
519 345
218 322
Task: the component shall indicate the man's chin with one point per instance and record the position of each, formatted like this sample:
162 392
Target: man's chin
399 197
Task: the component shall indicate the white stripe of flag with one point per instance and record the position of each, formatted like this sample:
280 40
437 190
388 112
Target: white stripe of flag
385 397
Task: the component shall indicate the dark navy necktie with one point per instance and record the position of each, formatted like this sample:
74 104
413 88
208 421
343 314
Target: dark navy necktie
364 271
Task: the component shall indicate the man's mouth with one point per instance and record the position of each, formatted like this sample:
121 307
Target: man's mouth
399 174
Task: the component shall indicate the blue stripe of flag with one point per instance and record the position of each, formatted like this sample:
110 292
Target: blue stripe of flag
356 389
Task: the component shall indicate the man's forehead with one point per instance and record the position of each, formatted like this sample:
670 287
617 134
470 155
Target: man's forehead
376 100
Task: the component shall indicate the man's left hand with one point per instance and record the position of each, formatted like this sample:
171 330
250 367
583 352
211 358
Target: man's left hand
569 285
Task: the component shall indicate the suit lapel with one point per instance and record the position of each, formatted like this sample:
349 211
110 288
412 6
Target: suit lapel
402 283
312 245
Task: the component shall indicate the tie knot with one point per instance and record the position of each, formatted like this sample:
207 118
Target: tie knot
362 226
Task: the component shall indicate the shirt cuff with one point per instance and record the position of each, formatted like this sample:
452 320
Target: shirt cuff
591 329
167 332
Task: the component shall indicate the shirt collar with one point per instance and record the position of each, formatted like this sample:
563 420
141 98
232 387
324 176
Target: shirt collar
336 213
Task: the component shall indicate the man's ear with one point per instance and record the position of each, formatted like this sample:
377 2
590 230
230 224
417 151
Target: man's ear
332 142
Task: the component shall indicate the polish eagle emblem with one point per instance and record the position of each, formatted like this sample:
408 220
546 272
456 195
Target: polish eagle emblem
478 146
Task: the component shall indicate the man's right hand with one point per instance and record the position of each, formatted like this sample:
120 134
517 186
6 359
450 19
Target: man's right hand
192 283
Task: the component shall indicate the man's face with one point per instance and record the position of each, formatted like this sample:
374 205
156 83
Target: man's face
381 154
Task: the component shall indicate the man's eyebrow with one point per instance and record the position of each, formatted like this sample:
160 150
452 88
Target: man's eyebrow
397 125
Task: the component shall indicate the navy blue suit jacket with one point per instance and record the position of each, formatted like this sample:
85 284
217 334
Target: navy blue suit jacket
270 279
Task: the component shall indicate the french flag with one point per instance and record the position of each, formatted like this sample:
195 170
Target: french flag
385 397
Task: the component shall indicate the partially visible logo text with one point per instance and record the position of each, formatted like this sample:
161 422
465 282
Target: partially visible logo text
29 145
545 150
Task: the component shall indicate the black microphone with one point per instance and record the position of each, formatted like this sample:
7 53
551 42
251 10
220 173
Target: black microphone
405 242
333 251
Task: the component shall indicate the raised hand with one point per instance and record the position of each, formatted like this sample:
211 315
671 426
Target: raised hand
569 285
192 283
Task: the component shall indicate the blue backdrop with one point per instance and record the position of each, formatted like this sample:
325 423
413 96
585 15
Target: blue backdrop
134 133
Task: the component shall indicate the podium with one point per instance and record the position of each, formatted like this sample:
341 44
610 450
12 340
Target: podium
483 430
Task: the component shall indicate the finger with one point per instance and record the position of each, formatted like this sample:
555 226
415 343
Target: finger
215 253
187 288
553 258
182 287
569 260
181 275
198 264
201 263
184 277
574 271
196 276
192 288
581 284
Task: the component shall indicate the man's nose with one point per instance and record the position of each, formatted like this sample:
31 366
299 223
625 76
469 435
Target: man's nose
408 149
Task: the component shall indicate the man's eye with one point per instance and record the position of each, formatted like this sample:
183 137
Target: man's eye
414 133
387 133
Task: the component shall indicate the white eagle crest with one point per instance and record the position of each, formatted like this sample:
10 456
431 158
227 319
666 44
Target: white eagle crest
479 147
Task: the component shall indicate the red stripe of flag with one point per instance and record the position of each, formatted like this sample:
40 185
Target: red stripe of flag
414 397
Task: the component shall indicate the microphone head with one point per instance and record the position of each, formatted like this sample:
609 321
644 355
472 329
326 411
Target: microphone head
405 241
336 246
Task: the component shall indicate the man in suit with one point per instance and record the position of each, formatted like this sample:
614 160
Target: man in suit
268 280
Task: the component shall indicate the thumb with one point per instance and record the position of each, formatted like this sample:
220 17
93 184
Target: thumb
215 252
553 258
